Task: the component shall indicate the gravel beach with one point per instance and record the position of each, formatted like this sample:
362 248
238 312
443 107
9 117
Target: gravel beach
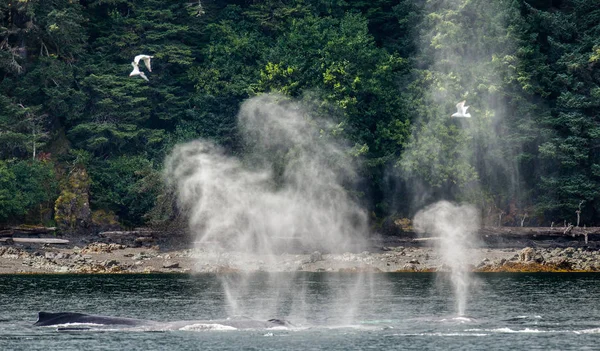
175 256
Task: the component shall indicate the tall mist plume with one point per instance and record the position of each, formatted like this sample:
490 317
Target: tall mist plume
289 185
468 52
286 192
455 226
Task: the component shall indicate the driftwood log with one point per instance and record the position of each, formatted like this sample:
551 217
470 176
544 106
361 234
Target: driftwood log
537 231
510 237
26 230
34 240
562 234
130 233
138 237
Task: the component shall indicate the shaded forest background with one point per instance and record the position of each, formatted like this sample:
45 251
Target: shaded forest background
82 144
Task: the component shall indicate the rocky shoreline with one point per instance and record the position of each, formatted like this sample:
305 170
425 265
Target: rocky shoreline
102 257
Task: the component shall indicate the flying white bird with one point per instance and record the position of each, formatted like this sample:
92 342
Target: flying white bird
136 72
146 59
461 110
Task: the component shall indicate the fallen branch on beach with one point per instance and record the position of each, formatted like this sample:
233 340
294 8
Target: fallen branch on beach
129 233
533 231
570 233
13 240
26 230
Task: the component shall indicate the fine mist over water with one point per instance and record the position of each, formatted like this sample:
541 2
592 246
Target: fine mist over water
455 227
285 193
467 50
468 54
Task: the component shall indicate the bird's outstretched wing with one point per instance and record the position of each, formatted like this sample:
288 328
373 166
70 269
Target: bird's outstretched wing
146 59
136 72
144 76
147 62
461 110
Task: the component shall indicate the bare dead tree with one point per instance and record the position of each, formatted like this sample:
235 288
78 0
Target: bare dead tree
15 52
43 48
36 123
568 230
500 218
197 8
578 212
523 219
487 218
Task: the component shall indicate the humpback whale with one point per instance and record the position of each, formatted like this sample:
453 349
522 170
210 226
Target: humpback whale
65 319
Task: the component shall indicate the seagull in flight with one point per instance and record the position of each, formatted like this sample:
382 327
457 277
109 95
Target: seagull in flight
136 72
461 110
146 59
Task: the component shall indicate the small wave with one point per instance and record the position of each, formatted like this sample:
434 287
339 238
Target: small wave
508 330
204 327
357 327
279 327
587 331
460 319
379 321
519 318
441 334
464 319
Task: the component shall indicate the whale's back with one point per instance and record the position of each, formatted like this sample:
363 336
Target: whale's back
48 318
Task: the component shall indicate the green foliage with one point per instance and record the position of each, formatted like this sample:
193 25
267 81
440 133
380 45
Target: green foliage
10 206
128 186
470 53
387 72
26 188
72 207
567 41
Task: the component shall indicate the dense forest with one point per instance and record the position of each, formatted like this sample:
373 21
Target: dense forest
82 143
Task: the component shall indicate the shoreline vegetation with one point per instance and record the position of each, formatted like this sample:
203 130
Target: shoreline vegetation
35 250
371 84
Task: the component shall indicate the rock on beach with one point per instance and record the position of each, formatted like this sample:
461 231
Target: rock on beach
99 257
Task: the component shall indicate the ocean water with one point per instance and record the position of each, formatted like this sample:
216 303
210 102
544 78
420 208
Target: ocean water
407 311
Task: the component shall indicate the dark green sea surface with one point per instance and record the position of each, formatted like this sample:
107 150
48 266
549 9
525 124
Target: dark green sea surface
329 311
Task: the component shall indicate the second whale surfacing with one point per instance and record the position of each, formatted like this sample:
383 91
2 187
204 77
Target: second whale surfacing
81 321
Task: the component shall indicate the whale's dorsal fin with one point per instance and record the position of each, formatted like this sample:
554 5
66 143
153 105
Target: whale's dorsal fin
42 316
278 321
